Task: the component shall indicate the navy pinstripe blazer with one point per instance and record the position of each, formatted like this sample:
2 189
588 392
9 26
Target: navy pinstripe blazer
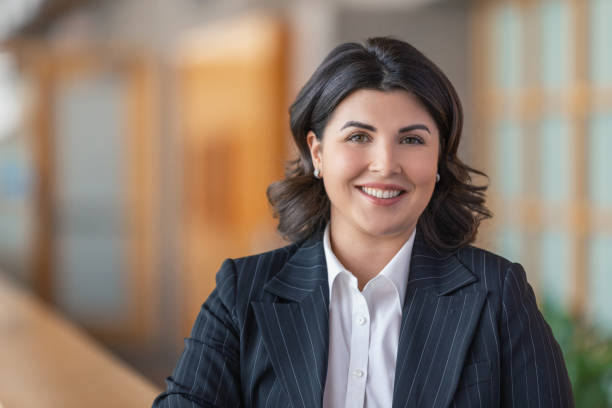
471 335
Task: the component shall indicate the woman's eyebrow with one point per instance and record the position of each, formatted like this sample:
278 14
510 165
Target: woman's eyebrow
414 127
359 125
353 123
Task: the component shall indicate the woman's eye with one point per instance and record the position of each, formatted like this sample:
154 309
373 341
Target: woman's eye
411 140
358 138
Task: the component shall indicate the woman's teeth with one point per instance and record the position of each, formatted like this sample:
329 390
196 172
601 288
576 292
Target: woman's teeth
375 192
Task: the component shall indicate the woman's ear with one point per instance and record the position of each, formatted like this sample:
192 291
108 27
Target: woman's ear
315 147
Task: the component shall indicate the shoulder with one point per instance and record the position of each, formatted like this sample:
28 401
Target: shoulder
480 258
505 281
270 261
246 276
490 268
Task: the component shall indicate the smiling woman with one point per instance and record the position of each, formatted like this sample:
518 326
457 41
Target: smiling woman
380 301
379 173
452 217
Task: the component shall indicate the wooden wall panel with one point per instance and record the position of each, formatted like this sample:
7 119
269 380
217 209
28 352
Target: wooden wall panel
233 118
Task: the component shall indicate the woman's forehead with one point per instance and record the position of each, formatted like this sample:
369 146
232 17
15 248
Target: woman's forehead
395 108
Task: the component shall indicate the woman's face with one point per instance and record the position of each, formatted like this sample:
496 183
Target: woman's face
378 159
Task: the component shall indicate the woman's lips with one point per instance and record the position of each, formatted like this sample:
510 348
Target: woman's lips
386 196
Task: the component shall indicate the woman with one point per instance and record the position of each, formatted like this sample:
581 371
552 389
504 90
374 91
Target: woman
380 301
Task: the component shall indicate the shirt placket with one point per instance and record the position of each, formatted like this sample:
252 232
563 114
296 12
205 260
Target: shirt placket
359 350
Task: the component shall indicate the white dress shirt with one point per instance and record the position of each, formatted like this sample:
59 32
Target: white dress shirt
364 331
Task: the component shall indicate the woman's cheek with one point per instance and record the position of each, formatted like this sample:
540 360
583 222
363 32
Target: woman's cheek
421 169
346 163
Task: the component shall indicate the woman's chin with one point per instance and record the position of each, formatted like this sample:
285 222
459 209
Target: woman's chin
388 231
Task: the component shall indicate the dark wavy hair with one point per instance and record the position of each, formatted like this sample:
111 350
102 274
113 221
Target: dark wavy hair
453 215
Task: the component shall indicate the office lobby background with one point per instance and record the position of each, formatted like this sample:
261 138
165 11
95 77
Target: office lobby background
137 138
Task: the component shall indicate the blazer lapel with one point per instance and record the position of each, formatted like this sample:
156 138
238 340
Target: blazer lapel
438 322
295 326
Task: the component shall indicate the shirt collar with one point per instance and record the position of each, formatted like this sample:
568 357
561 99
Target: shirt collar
334 267
396 270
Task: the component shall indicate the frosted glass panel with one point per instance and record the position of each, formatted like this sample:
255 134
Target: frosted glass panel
15 207
600 282
509 158
90 281
600 164
600 37
509 244
556 164
556 44
507 47
555 266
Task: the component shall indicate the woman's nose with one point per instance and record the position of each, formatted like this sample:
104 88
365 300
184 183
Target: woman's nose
384 160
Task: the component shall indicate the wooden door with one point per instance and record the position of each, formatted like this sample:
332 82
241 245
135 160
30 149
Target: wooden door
233 122
91 121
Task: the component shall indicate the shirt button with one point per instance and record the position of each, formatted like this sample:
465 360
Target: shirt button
362 320
358 373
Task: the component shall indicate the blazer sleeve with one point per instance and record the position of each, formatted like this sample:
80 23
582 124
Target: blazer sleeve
207 373
533 368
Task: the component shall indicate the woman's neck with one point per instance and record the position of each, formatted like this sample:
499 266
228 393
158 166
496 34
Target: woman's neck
365 255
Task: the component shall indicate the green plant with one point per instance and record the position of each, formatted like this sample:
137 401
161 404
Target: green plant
588 356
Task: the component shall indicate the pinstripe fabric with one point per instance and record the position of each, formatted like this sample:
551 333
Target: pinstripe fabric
471 335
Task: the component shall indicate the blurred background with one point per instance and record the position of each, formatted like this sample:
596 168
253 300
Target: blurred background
137 138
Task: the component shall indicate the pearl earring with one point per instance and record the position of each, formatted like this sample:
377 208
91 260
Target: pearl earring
317 173
437 177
